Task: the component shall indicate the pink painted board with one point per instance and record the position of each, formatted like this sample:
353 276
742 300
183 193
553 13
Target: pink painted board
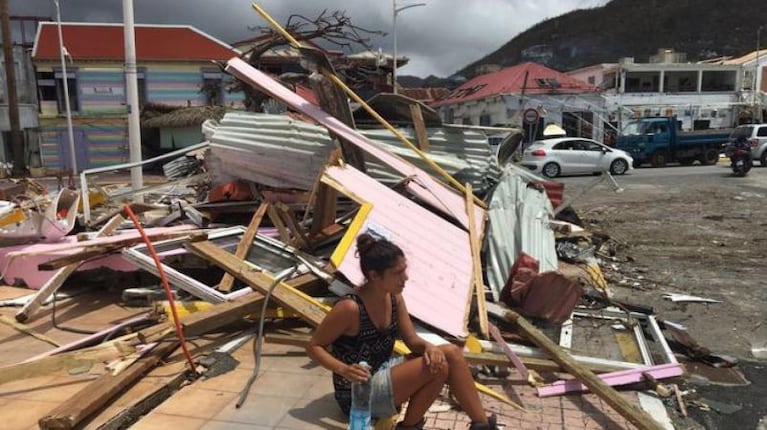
422 184
18 266
438 253
613 379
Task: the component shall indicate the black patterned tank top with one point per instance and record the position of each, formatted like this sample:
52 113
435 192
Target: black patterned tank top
370 344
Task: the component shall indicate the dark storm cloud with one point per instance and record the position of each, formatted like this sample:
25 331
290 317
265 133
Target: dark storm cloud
440 38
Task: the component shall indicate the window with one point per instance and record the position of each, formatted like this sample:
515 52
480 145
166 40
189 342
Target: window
566 145
485 120
213 87
74 100
141 80
590 146
762 132
592 80
46 87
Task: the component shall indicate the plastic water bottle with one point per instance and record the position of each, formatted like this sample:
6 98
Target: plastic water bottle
359 415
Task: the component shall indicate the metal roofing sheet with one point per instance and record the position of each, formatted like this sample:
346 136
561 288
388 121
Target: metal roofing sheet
277 150
465 154
273 150
518 221
439 270
422 185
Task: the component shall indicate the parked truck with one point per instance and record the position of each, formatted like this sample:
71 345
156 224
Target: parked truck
660 140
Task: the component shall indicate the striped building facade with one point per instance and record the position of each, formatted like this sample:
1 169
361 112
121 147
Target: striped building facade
174 67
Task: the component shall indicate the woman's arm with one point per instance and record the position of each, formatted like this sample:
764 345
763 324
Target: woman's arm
435 357
341 320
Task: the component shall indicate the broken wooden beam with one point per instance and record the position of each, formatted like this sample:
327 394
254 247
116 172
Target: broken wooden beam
641 419
244 246
95 395
421 136
477 279
57 280
84 357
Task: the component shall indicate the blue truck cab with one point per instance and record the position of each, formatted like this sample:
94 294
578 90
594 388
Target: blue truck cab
660 140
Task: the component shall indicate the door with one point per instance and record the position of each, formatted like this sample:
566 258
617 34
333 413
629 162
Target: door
592 155
568 156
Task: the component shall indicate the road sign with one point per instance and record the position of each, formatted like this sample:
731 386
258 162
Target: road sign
530 116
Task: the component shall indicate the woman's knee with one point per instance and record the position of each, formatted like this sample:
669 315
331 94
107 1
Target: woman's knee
452 353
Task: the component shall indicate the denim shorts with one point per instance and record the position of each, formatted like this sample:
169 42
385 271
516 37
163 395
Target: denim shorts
381 392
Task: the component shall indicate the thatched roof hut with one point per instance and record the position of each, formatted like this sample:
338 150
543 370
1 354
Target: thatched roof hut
181 118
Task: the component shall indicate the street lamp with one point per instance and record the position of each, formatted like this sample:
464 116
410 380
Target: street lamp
396 10
756 87
72 153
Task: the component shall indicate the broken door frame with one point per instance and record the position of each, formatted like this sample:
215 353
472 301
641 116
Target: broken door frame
137 256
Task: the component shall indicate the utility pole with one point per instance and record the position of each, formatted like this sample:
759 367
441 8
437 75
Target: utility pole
17 138
65 85
131 80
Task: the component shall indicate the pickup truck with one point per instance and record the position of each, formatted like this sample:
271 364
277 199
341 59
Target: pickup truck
659 140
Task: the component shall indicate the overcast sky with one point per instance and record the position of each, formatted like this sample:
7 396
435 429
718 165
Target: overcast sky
440 38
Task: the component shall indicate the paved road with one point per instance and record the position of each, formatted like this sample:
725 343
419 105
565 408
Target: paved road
667 176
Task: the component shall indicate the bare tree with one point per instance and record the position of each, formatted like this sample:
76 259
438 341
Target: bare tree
334 29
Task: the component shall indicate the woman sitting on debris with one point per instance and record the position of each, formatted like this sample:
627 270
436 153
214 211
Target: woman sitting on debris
363 327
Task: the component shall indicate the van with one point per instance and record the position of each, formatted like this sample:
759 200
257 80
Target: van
756 134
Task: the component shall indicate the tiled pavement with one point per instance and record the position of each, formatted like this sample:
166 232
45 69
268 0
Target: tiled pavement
292 393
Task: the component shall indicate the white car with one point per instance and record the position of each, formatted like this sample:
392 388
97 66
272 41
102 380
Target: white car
574 155
757 138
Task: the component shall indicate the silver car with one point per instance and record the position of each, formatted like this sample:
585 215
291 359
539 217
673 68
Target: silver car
574 155
756 134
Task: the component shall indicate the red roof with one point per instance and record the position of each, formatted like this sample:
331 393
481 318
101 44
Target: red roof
540 80
106 42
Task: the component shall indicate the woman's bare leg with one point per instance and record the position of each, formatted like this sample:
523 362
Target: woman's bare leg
462 384
414 381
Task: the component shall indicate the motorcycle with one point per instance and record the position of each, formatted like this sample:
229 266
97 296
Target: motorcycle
740 157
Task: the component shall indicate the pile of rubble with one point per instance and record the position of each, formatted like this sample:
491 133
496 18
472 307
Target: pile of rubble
258 224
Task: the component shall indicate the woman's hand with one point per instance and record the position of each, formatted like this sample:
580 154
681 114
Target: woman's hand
355 373
435 358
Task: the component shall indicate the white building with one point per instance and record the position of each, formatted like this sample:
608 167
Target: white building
529 95
701 95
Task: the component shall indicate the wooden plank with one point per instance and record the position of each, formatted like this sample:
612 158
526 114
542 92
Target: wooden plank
84 357
312 311
479 284
641 419
309 309
299 237
333 101
220 315
244 246
95 395
275 218
421 136
10 322
97 251
57 280
613 379
325 207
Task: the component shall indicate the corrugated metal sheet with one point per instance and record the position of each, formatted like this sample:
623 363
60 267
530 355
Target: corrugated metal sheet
273 150
518 221
465 154
439 270
291 153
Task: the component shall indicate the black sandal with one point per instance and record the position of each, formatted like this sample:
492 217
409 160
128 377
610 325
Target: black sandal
492 424
418 426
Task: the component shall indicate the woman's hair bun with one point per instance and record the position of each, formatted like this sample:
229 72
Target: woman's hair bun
365 241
